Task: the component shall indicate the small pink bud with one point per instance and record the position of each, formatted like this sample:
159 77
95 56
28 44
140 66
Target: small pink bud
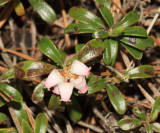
65 89
53 79
80 68
56 90
80 84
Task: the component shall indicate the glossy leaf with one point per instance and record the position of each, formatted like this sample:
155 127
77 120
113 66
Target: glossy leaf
138 42
19 109
135 31
149 128
131 18
91 51
105 12
95 84
138 113
27 70
117 31
44 10
155 110
8 130
41 123
38 93
133 51
156 126
116 99
74 109
19 8
2 102
129 123
3 2
110 51
26 127
11 92
100 34
143 71
3 117
80 28
106 3
86 16
78 47
50 50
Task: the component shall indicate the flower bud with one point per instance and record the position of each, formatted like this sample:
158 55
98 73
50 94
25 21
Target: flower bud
53 79
80 68
65 89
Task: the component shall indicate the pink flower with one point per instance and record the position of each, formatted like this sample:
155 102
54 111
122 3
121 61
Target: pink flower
53 79
65 89
56 90
80 84
80 68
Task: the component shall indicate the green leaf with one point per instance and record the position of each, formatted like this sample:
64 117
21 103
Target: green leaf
8 130
131 18
3 2
138 113
19 109
95 84
149 128
100 34
41 123
135 31
129 123
155 110
138 42
26 127
105 12
74 109
78 28
55 103
2 102
50 50
44 10
86 16
116 99
27 70
38 93
91 51
3 117
106 3
143 71
117 31
133 51
156 126
79 47
110 51
11 92
19 8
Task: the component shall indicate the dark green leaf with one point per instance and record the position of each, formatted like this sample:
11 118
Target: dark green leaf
86 16
41 123
105 12
74 109
117 31
138 113
11 92
110 52
27 70
8 130
116 98
2 102
155 110
100 34
3 117
131 18
143 71
106 3
91 50
50 50
138 42
44 10
133 51
95 84
156 126
135 31
129 123
149 128
63 54
19 109
26 127
79 47
80 28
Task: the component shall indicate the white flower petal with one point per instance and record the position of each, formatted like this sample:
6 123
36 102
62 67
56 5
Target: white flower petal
56 90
